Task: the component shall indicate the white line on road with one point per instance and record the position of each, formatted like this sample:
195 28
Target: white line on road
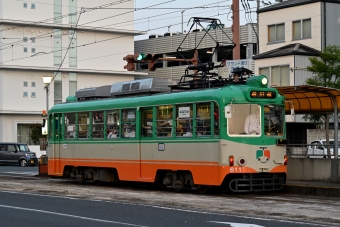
21 173
69 215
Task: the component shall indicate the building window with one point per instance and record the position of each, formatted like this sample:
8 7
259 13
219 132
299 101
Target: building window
33 95
265 71
57 46
25 49
276 33
302 29
57 11
72 11
23 133
24 39
25 5
33 84
32 6
280 75
73 48
58 97
33 40
25 84
72 83
33 50
25 94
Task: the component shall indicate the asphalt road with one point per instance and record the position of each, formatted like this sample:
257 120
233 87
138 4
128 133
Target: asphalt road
27 200
16 170
31 210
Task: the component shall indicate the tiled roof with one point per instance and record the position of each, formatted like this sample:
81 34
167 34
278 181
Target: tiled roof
291 3
291 49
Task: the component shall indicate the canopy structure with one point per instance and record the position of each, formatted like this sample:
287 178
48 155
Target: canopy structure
306 99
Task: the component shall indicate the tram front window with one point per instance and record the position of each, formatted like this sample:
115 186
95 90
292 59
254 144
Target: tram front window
273 120
245 120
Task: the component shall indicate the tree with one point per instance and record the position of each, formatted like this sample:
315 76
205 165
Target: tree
326 73
35 133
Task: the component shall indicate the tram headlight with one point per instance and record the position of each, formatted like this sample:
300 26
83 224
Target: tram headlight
242 161
264 81
231 160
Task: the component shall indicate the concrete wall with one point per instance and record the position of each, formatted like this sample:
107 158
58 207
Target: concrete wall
317 169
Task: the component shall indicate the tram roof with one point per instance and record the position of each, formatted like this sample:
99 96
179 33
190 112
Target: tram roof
307 99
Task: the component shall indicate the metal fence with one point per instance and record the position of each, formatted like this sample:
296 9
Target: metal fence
301 151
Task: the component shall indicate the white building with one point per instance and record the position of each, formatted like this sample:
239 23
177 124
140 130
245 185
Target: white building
35 37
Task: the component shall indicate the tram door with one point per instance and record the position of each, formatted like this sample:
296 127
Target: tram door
57 142
145 147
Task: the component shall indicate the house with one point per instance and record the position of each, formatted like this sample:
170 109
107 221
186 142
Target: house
289 33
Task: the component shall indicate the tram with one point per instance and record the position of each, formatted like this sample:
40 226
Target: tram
202 131
192 139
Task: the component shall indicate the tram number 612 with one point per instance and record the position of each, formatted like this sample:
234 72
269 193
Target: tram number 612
235 169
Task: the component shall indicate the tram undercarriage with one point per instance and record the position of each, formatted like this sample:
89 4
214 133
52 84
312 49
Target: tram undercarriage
179 180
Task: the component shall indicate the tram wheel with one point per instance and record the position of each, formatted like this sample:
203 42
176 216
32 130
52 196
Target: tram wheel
202 189
176 188
97 182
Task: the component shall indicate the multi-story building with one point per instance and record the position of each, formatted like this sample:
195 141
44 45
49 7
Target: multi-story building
35 41
290 32
167 45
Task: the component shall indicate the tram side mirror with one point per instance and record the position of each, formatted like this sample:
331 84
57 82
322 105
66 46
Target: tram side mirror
227 111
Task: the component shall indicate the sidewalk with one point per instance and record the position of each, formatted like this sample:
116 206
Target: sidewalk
318 188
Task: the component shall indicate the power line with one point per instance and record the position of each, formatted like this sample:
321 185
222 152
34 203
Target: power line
37 37
74 31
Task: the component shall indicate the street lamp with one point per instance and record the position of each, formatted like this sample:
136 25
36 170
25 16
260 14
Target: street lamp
47 80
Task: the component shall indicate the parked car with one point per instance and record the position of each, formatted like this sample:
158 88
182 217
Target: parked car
11 153
318 148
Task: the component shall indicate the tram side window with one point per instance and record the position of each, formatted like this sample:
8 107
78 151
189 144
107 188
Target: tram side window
83 125
112 124
245 120
129 123
70 125
216 119
184 124
50 126
98 124
164 120
203 119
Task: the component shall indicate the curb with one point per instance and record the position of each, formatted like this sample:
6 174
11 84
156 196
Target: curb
311 190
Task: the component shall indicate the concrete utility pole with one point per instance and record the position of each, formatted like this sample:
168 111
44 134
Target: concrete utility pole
236 29
258 27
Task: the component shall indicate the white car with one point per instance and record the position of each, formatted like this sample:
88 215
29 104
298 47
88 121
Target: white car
318 148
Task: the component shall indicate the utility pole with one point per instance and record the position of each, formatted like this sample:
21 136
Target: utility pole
258 27
236 29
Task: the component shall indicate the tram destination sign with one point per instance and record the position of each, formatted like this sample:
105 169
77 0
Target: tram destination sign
263 94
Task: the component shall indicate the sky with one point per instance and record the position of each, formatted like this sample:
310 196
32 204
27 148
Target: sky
160 21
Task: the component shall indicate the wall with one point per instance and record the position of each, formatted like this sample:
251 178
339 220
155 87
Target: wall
315 134
309 169
287 16
332 23
267 62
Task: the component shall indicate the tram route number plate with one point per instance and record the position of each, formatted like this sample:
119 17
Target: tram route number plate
161 147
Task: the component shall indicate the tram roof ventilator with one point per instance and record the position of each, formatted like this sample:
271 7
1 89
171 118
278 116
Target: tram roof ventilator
127 88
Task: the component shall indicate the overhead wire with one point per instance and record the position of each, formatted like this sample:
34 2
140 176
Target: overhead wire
48 35
91 43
